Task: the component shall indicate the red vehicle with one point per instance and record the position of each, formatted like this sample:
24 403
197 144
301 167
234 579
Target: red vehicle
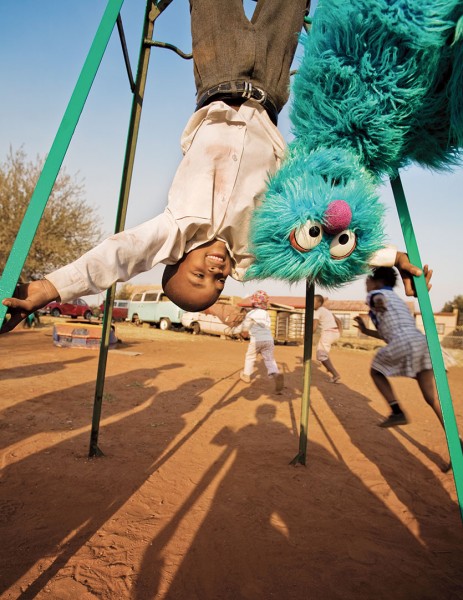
120 310
74 309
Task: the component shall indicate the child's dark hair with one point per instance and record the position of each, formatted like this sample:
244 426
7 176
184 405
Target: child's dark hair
385 274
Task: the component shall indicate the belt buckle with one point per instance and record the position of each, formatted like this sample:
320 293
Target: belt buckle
250 91
263 95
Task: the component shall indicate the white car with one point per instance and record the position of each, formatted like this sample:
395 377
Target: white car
200 322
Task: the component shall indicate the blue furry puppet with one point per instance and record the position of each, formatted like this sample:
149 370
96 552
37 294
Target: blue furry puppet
380 85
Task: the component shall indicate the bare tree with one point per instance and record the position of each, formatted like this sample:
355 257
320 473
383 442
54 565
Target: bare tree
69 226
125 292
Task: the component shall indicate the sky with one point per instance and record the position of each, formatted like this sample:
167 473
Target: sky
43 48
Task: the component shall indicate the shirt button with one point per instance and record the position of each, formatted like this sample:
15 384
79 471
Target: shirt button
235 158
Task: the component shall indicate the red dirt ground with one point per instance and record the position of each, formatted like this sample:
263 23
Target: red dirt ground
195 498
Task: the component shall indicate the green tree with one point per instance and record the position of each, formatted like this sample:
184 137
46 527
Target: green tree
68 228
457 302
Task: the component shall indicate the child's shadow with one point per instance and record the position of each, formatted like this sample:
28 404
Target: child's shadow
269 524
405 474
44 511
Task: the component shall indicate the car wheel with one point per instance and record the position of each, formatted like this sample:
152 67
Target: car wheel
56 312
195 328
88 315
136 320
165 324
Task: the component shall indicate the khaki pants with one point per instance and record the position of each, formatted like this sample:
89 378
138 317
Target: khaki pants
229 47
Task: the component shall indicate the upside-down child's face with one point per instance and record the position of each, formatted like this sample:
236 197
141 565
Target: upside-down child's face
198 279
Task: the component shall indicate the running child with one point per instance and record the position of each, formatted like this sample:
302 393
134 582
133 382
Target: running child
406 353
257 323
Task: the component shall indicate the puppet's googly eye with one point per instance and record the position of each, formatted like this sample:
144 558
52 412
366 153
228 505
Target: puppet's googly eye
307 236
343 244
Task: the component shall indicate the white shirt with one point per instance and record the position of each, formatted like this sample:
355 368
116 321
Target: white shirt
257 323
228 157
325 318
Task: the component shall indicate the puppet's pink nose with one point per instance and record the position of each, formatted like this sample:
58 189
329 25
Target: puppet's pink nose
337 217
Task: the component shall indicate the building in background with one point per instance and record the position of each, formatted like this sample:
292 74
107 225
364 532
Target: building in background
288 318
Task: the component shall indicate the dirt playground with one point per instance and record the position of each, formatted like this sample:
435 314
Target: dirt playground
195 499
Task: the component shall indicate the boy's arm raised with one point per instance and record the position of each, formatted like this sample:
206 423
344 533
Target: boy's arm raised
118 258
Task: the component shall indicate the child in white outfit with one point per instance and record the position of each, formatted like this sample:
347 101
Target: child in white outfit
330 328
231 146
257 323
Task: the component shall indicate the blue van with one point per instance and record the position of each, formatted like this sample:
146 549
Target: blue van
154 307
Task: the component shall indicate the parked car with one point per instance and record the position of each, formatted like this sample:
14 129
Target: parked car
120 310
200 322
74 309
154 308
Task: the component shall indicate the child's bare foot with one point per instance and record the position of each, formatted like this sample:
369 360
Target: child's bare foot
28 297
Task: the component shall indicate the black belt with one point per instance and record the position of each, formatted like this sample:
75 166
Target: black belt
237 92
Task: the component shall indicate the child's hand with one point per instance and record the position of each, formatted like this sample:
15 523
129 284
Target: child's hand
28 297
407 271
360 324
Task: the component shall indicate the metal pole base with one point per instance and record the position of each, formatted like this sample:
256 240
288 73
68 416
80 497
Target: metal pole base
299 459
95 452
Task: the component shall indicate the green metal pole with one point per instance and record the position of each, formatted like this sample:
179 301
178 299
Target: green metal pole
153 10
38 202
442 385
300 458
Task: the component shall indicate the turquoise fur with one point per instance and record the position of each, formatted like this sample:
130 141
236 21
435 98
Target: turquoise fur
380 85
283 210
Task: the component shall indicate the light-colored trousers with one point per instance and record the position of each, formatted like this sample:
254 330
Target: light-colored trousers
327 338
265 349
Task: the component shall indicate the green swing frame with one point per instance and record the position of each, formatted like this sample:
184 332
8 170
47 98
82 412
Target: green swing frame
33 215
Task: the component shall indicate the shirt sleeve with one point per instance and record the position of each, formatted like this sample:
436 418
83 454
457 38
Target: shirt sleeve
119 258
373 296
385 257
